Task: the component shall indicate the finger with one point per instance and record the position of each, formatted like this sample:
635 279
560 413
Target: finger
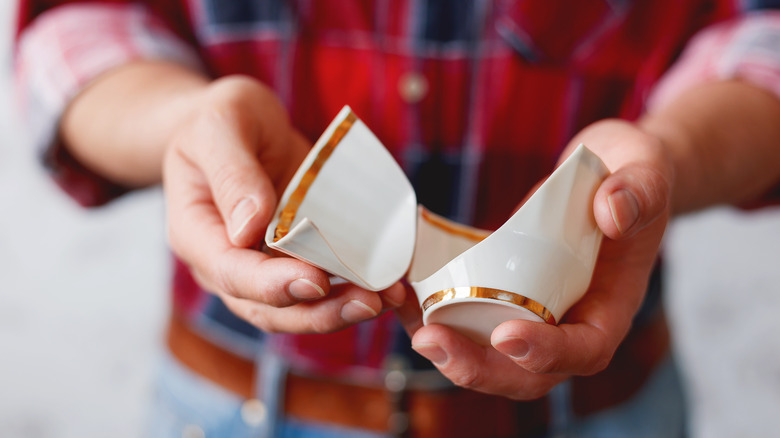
410 314
277 282
393 297
630 199
240 188
296 148
580 349
220 266
483 369
594 327
346 305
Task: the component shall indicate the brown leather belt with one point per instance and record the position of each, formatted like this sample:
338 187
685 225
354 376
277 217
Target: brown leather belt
452 412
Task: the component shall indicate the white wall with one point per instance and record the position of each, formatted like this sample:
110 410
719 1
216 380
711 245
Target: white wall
724 302
82 299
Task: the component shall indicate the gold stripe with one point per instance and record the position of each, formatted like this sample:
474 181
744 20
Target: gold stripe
287 215
454 228
492 294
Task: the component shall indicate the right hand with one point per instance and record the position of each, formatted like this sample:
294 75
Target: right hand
528 358
223 173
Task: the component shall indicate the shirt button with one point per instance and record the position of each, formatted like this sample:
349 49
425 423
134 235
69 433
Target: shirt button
253 412
413 87
395 381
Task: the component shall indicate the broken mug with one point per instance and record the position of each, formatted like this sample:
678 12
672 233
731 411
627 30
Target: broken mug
351 211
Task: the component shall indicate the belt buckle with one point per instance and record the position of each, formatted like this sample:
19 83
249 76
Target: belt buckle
401 382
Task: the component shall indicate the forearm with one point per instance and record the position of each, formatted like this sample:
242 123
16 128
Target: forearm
121 124
724 142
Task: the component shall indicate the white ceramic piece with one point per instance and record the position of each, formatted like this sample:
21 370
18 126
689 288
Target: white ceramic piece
351 211
535 266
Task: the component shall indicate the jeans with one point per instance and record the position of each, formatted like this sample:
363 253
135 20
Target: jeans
187 406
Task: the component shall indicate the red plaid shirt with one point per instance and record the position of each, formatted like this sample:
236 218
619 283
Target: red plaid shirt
475 99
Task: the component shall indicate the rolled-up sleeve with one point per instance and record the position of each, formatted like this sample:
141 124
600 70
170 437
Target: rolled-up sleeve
745 48
65 48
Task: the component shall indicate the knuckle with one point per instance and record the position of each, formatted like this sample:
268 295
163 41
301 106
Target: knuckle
322 325
270 293
543 365
276 300
599 364
603 351
259 318
235 96
655 188
222 279
224 181
468 377
236 87
532 392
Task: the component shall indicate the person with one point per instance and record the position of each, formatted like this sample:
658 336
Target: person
220 101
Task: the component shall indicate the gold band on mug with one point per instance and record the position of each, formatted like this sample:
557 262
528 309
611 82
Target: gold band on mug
491 294
287 215
473 234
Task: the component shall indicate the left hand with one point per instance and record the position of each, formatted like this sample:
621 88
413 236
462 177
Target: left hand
528 358
224 171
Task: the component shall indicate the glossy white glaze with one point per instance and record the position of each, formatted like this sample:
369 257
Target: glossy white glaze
359 220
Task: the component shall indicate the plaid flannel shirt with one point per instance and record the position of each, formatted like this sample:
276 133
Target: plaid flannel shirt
475 99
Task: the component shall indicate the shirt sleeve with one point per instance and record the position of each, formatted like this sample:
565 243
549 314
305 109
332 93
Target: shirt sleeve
746 48
60 52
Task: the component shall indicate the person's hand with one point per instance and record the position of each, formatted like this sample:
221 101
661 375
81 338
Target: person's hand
222 176
528 358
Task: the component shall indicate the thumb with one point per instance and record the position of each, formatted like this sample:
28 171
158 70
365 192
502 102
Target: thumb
240 188
243 194
631 198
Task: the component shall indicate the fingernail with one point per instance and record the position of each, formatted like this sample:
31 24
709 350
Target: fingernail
242 213
355 311
432 352
515 348
304 289
624 208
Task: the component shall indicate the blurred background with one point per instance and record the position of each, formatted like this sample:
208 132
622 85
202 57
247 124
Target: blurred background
84 297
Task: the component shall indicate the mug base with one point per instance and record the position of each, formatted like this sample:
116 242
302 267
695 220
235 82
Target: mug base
476 318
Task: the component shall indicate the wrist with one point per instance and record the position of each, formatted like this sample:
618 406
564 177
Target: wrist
672 139
119 126
722 140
